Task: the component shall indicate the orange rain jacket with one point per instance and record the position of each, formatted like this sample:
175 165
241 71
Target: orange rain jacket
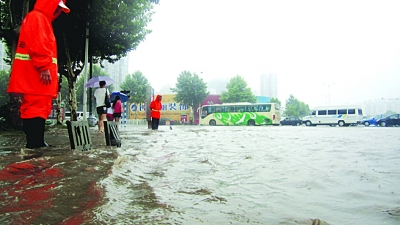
36 51
155 107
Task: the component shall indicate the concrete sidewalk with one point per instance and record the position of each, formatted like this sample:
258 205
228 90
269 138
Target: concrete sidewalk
53 185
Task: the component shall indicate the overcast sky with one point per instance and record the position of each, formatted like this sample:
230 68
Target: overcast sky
343 51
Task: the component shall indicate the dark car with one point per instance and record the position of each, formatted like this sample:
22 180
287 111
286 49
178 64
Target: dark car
291 120
164 120
392 120
372 120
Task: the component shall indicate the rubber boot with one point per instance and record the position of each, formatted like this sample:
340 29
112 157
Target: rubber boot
28 127
34 131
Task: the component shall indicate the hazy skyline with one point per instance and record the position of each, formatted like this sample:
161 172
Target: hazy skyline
352 47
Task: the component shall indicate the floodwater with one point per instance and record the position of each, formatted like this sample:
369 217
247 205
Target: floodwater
254 175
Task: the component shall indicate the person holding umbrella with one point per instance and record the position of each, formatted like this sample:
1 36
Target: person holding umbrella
34 72
100 95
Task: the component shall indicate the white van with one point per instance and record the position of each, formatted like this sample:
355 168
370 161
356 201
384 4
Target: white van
67 116
342 115
79 114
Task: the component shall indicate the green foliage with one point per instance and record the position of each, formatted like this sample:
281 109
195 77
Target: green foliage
294 107
4 78
190 89
275 100
136 83
115 28
237 91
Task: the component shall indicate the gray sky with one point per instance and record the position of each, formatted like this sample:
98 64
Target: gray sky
351 46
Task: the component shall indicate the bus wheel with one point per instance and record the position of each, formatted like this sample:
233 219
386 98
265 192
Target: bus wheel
308 123
212 123
341 123
251 123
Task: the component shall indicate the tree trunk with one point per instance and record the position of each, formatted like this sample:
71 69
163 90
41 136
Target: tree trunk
59 113
72 98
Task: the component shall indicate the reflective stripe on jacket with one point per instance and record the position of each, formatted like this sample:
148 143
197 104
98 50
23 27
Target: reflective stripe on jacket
36 51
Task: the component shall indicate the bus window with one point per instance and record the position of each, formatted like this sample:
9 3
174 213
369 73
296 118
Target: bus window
204 112
332 112
211 109
342 111
359 111
218 109
240 108
352 111
321 112
277 106
267 108
313 113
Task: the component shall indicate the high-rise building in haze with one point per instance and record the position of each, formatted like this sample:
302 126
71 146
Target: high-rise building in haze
3 55
117 71
269 85
380 106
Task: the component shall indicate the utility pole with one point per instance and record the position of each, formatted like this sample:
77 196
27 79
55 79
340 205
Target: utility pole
329 92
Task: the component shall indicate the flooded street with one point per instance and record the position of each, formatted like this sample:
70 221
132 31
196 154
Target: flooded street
254 175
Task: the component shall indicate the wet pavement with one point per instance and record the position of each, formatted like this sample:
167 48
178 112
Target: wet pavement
51 185
207 175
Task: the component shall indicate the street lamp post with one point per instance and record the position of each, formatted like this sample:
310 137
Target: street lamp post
329 92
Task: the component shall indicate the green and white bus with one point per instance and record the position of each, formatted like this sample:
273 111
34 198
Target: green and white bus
242 113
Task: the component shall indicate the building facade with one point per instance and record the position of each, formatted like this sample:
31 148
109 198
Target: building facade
269 85
117 71
380 106
170 109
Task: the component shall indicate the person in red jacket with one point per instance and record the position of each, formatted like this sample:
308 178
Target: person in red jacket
118 109
34 70
155 107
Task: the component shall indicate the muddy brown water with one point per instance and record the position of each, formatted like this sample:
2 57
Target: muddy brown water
223 175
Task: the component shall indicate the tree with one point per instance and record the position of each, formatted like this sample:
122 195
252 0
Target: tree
275 100
294 107
136 83
190 89
116 27
237 91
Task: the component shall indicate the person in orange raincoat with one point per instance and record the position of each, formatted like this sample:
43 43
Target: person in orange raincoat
34 71
155 107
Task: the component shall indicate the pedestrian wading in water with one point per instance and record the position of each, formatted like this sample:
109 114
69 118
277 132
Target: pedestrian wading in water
155 107
100 95
34 73
118 109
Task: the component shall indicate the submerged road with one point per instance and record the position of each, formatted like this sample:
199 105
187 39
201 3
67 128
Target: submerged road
254 175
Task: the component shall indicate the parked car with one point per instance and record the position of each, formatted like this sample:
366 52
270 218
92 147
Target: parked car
164 120
291 120
392 120
372 120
